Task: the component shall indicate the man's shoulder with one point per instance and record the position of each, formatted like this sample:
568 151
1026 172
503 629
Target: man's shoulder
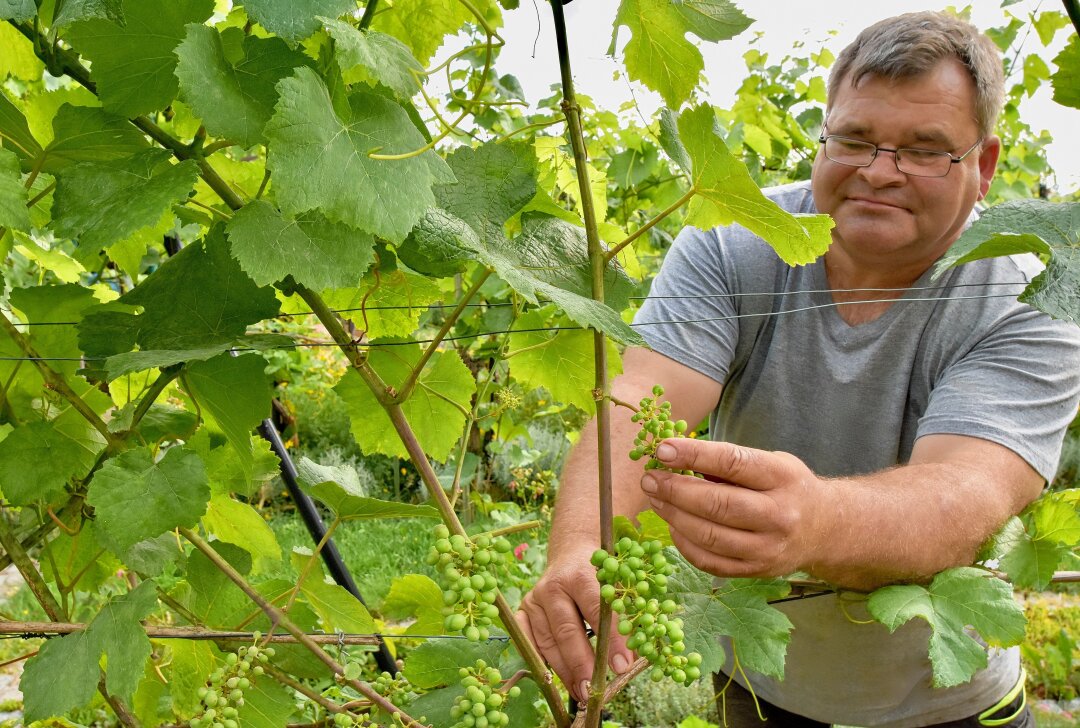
792 197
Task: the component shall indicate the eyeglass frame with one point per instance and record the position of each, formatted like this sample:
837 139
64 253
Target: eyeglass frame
953 159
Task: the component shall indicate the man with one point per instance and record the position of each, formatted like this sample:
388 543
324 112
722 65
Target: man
863 436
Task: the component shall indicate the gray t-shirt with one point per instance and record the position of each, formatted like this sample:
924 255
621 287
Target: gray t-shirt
963 357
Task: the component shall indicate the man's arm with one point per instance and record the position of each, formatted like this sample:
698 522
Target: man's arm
769 515
567 595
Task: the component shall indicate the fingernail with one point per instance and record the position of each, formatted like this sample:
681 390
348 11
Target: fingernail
649 484
656 503
583 690
619 663
665 452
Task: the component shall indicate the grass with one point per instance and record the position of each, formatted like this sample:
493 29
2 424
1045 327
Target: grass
375 552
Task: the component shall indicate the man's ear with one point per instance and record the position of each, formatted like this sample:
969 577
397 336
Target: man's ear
988 159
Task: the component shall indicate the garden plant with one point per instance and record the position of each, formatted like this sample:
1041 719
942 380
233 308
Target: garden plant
182 182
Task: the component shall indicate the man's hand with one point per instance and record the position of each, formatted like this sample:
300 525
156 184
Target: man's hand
554 613
758 513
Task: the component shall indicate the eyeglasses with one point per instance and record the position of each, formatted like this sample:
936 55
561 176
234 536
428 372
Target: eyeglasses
916 162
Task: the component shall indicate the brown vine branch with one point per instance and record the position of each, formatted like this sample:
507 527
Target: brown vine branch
280 618
8 627
650 224
29 572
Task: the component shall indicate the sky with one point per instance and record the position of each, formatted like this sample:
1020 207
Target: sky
781 23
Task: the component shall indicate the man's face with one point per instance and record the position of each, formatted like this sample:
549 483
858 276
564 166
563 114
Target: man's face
884 216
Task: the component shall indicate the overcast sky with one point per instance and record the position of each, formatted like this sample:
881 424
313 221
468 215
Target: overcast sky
783 22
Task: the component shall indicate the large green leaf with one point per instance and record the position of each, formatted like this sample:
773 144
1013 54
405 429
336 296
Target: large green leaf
239 523
1049 530
314 251
659 55
17 10
1030 226
114 632
376 56
319 157
74 10
136 498
119 365
209 593
267 704
234 98
1066 80
339 489
386 305
133 64
234 391
191 663
339 610
13 198
418 598
423 25
198 298
738 609
100 203
436 662
435 411
294 20
726 194
15 132
55 456
956 598
89 134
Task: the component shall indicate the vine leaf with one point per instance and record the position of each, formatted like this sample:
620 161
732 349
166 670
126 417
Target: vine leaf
659 55
1030 226
388 306
192 662
416 597
15 132
436 409
955 599
119 365
233 98
376 57
133 64
57 459
75 10
1066 81
114 632
436 662
233 390
739 609
197 298
339 610
316 252
17 10
13 212
1048 529
209 593
89 134
240 524
339 489
563 362
136 498
440 245
726 194
100 203
267 704
423 25
320 158
295 20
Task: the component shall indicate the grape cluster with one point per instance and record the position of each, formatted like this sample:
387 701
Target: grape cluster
480 706
634 582
467 574
656 426
395 688
223 697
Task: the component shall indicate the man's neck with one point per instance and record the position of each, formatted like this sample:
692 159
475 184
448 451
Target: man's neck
846 278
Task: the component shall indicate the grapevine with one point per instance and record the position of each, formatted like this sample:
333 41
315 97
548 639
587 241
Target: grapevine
224 695
480 705
634 582
467 575
656 426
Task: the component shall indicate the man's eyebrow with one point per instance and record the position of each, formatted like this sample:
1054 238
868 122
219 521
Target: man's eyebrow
931 136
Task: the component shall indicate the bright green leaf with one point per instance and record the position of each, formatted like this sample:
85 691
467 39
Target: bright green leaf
315 252
436 662
423 25
121 636
13 198
727 194
133 64
136 498
435 410
738 609
267 704
956 598
1066 80
381 57
1048 23
233 99
240 524
416 597
89 134
294 20
339 489
56 459
100 203
15 133
339 610
319 157
192 662
209 593
655 528
396 300
18 59
1030 226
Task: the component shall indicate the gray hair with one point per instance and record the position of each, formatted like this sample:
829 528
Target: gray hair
912 44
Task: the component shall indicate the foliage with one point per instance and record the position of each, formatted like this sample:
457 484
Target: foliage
1051 649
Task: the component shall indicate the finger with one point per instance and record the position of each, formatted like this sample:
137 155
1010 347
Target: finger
619 657
721 503
559 631
716 564
716 538
758 469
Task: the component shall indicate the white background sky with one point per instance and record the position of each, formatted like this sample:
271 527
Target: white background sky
782 23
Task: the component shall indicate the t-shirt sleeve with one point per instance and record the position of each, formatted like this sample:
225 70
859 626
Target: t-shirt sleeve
690 315
1018 387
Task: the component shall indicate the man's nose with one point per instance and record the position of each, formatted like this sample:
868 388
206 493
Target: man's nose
882 171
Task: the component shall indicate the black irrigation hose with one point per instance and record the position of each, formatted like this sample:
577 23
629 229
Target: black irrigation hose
309 513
